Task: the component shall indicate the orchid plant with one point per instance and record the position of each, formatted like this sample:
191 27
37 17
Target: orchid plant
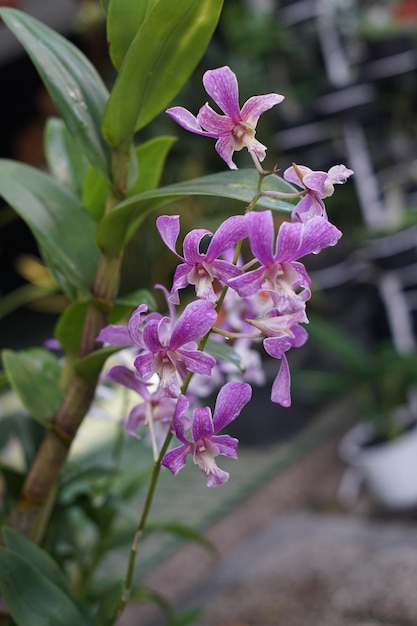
234 290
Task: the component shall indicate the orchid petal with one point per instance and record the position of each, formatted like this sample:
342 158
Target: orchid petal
226 444
188 121
257 148
134 323
256 105
249 283
115 335
261 232
225 271
221 84
202 425
281 387
225 149
319 234
339 174
194 322
124 376
135 420
231 399
151 334
316 181
176 459
169 229
227 235
180 281
191 245
196 361
177 421
291 174
217 477
290 236
215 124
143 364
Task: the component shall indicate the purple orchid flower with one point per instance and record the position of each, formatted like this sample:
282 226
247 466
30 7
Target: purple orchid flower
234 130
200 269
170 349
282 333
205 444
280 273
318 185
155 411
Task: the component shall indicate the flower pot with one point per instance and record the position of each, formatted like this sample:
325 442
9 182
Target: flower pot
389 469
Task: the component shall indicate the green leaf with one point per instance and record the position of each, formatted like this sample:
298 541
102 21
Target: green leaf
151 158
224 352
71 80
159 61
65 160
118 226
31 597
34 375
124 18
38 558
90 366
94 192
62 227
69 328
182 531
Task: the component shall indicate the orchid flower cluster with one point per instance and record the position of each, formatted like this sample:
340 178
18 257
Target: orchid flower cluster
249 288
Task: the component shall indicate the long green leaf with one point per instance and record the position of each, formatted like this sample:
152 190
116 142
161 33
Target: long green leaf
72 82
34 376
124 18
43 562
119 225
159 61
65 160
151 157
62 227
31 597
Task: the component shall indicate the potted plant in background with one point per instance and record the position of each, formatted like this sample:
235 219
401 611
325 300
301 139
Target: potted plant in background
382 382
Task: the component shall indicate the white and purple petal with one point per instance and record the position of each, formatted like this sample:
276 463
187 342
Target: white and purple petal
175 459
188 121
281 387
257 105
216 125
225 148
226 236
202 426
169 229
226 444
221 84
231 399
197 361
195 321
261 233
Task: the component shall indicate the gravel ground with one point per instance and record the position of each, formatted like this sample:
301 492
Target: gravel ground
317 570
